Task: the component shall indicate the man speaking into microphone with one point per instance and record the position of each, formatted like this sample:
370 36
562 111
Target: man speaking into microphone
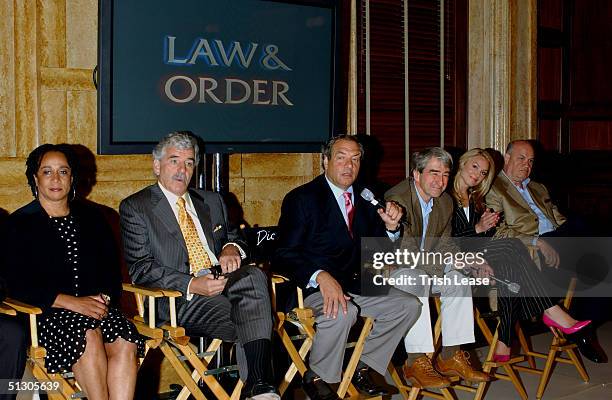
320 230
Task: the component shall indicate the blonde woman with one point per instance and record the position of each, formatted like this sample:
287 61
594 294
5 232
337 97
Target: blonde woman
508 258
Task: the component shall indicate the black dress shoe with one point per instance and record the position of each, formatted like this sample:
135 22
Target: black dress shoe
317 389
589 346
261 390
363 382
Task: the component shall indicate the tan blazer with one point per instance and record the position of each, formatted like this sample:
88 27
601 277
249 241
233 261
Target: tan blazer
519 220
438 235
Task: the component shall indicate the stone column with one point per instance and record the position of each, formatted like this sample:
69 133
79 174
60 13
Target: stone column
501 72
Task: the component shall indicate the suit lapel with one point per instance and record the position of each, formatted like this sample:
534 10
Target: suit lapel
203 211
514 193
537 198
163 211
418 215
332 210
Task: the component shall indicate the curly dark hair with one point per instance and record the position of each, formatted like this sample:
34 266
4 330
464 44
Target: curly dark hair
36 156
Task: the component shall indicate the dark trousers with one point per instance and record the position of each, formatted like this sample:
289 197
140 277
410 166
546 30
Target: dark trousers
575 262
241 314
511 261
12 352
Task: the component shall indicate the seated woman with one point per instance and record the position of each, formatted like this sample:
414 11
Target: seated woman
61 256
509 259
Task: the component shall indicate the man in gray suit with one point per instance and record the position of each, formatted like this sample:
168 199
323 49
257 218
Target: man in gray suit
172 234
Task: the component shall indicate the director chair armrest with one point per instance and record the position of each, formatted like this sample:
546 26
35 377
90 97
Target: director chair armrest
35 350
7 310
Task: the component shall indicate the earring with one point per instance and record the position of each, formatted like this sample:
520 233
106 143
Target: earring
73 193
36 192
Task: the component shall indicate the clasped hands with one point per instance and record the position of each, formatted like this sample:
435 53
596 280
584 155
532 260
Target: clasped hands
92 306
208 285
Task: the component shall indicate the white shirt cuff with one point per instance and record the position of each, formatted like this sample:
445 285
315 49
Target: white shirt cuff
312 283
242 253
393 236
189 295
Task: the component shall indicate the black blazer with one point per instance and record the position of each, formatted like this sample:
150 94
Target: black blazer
313 235
464 228
33 258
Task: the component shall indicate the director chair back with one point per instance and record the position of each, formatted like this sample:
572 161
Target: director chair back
411 392
558 346
191 365
67 386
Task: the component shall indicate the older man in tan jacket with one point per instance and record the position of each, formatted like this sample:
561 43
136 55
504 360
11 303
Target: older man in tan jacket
531 216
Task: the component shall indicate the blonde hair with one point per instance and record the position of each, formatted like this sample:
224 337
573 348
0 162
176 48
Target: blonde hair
478 192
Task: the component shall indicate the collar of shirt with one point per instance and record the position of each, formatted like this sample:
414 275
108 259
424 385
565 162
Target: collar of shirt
425 207
172 199
425 210
523 184
339 196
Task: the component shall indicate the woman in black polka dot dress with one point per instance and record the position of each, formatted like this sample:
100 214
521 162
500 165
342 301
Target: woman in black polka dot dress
60 255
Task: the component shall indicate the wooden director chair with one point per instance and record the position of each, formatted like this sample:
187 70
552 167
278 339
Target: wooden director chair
558 346
410 392
490 367
68 387
304 320
190 365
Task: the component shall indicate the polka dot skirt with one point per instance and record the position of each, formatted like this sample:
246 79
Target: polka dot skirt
62 334
62 331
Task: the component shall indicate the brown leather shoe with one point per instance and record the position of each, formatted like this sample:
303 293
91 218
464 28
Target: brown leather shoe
422 374
459 365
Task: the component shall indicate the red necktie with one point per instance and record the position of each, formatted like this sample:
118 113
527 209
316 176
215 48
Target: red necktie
350 211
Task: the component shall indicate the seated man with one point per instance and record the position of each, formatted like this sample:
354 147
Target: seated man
320 228
530 215
172 235
428 228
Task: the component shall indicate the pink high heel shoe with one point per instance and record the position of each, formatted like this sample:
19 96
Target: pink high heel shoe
568 331
501 358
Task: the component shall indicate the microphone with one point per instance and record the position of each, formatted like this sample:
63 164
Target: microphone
368 196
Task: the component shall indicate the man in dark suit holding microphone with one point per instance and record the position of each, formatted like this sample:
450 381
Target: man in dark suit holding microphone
320 228
173 235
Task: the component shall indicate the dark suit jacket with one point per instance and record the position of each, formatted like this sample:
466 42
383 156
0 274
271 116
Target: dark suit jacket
438 236
155 250
465 232
34 257
313 235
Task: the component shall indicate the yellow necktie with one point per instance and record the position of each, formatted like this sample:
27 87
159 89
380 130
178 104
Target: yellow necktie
198 257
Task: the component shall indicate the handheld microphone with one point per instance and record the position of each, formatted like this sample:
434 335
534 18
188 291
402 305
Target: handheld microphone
368 196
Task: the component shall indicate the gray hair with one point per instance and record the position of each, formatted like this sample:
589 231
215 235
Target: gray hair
326 149
419 159
182 140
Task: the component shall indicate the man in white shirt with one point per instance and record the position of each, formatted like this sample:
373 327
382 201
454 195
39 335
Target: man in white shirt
172 235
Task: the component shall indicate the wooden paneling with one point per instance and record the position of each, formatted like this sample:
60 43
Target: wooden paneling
550 134
578 125
550 63
590 135
550 14
591 54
